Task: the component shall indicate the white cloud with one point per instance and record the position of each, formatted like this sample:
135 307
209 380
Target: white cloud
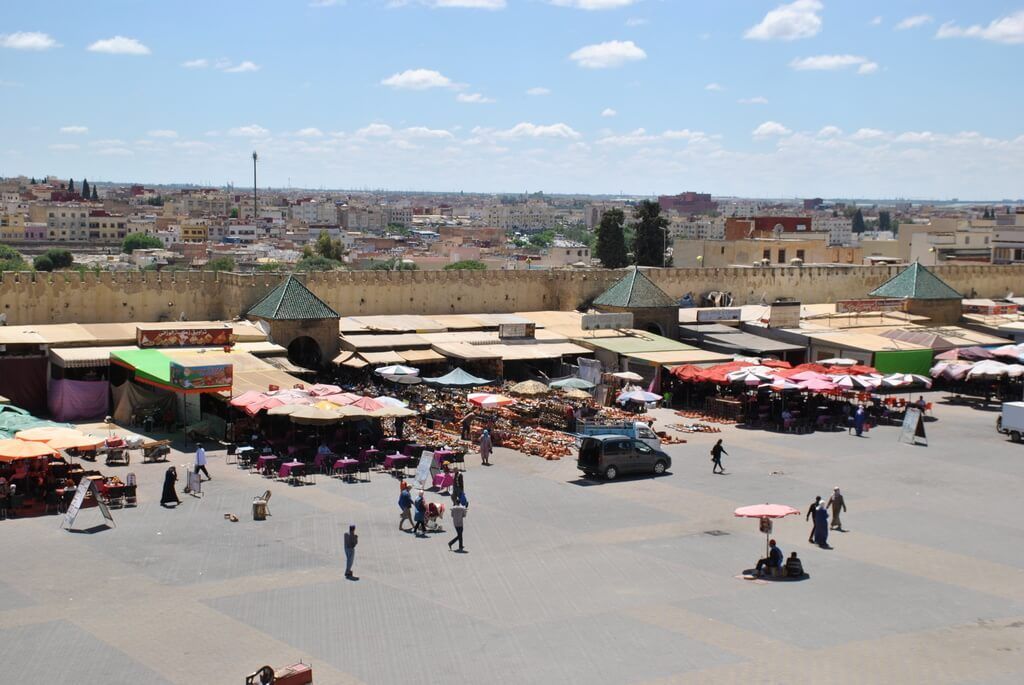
28 40
119 45
474 99
192 145
641 136
326 3
538 91
796 20
834 62
310 132
1008 29
115 152
74 130
200 63
250 131
528 130
594 4
633 22
913 22
770 128
63 146
613 53
830 132
915 137
418 79
163 133
424 132
684 134
609 112
242 67
877 21
713 87
374 131
867 134
756 100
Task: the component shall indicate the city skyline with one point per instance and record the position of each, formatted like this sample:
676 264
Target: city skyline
760 99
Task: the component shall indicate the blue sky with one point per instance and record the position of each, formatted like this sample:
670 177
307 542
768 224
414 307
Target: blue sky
766 99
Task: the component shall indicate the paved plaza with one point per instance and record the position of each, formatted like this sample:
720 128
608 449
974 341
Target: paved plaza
565 580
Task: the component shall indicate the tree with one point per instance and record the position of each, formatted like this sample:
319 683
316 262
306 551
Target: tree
542 239
318 263
884 221
650 241
32 181
140 241
11 260
71 185
95 195
858 222
85 189
611 243
61 259
42 263
221 264
466 265
234 212
327 248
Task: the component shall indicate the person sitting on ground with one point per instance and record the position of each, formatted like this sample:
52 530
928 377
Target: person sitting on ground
794 567
773 560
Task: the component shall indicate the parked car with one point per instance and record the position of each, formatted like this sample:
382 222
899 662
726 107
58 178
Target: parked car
631 429
613 455
1011 421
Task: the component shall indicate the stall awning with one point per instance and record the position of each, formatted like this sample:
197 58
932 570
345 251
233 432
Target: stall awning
377 358
283 364
83 357
155 368
355 363
681 357
421 356
260 381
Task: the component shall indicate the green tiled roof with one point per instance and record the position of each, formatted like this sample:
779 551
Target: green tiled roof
635 291
916 283
291 300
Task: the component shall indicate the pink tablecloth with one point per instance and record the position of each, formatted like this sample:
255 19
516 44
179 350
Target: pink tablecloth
443 480
286 469
369 455
412 450
441 456
265 460
395 460
345 463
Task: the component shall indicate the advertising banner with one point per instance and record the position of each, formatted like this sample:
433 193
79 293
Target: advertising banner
183 337
199 377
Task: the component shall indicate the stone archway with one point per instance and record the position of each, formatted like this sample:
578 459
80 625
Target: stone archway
304 351
652 327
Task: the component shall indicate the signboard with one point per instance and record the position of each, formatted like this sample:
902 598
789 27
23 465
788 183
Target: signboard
85 485
183 337
994 309
719 314
784 315
193 484
423 468
766 525
870 305
199 377
912 429
517 330
606 322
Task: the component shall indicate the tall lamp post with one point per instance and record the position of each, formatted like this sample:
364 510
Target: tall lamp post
255 211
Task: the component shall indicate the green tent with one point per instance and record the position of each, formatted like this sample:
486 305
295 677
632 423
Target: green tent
150 366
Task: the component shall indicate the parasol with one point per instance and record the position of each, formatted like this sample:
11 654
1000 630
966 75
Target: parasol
12 450
284 409
577 394
390 401
486 400
392 412
781 385
765 512
848 382
899 380
638 396
367 403
80 442
577 383
817 385
628 376
530 388
751 375
314 416
838 361
44 433
397 370
404 380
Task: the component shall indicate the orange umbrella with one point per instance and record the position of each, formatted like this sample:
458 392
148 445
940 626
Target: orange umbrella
44 433
81 442
12 450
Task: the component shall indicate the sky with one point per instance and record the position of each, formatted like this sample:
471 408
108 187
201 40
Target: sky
832 98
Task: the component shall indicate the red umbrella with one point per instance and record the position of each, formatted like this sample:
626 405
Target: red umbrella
861 370
765 512
776 364
687 372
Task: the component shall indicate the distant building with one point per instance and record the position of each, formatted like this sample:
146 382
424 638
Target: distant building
765 226
688 203
813 203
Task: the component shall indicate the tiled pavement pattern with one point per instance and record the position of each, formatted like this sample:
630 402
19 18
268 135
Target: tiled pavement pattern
565 581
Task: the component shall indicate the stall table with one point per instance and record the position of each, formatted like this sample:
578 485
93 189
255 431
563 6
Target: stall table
346 466
291 471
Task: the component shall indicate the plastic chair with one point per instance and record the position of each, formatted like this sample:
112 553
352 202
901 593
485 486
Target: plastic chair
265 500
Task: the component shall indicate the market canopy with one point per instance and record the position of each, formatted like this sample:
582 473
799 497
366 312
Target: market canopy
155 368
578 383
529 388
459 378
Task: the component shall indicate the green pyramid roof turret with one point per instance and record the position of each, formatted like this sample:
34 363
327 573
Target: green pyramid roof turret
635 291
291 300
916 283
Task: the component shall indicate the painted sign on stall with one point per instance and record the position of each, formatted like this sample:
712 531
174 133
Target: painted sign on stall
183 337
869 305
606 322
784 315
719 314
517 330
200 377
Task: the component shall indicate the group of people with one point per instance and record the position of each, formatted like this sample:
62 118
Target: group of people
416 511
169 495
791 568
818 514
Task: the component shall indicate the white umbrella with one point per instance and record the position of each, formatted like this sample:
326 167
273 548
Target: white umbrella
751 375
628 376
899 380
397 370
638 396
391 401
848 382
989 368
781 385
488 400
838 361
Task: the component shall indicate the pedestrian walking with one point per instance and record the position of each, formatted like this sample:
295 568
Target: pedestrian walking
458 520
837 504
821 526
810 513
716 457
169 496
405 505
420 517
458 487
201 462
860 417
351 540
467 425
485 448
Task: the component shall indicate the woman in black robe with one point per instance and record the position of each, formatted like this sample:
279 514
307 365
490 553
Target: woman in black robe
169 496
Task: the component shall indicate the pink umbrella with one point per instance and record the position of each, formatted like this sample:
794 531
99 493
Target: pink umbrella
489 401
764 512
807 376
367 403
817 385
342 398
247 398
322 389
